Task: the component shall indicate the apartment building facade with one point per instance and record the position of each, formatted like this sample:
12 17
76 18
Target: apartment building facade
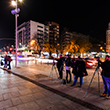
67 36
53 33
32 30
108 39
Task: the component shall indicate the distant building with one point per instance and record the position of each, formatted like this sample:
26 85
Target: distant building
67 36
53 33
32 30
108 39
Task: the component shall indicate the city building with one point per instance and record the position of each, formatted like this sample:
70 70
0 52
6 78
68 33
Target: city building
108 39
32 30
53 33
67 36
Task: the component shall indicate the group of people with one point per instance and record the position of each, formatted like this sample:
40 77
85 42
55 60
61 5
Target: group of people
7 62
79 70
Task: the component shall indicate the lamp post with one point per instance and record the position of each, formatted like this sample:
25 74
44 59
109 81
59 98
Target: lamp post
15 12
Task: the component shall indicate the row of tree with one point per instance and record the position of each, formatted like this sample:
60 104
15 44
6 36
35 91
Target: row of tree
77 45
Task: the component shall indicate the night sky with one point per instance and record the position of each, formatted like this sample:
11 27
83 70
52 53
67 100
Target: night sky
86 17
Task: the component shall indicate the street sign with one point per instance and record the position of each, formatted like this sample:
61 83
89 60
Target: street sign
15 11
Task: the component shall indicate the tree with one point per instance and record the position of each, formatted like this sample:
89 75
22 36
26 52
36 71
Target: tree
84 44
49 48
35 46
72 47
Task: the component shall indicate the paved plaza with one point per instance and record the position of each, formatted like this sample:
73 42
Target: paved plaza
36 87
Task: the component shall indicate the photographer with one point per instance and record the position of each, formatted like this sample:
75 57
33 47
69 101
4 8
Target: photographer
68 67
105 76
60 66
79 70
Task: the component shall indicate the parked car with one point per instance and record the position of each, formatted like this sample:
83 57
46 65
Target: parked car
90 62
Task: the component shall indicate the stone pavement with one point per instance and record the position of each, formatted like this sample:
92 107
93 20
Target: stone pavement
19 94
38 75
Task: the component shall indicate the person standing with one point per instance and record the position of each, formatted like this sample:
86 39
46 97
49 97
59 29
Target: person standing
60 62
106 76
79 71
68 67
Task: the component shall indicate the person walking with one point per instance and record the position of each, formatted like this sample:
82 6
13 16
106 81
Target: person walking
5 60
9 62
79 70
106 77
68 67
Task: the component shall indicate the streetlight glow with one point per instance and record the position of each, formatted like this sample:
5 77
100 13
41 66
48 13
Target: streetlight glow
20 0
13 3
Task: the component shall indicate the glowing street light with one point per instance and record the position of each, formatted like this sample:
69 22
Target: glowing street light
15 12
101 48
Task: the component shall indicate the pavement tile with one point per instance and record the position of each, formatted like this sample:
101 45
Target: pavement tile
39 96
7 96
8 103
51 107
2 105
15 94
25 91
28 106
27 98
22 107
12 108
1 97
42 103
11 89
32 105
16 101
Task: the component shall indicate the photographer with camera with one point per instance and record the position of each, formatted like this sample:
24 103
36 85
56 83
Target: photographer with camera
60 63
105 76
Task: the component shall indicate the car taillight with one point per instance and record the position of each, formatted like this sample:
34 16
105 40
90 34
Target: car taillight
90 63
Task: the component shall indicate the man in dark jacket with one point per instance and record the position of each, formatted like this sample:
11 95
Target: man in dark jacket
79 70
106 76
60 66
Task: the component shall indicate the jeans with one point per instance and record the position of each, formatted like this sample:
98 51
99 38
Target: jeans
105 85
68 72
107 79
76 78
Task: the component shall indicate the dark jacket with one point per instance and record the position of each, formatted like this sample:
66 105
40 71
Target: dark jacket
68 62
106 68
79 68
60 62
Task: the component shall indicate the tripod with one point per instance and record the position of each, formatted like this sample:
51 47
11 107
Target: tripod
96 70
51 72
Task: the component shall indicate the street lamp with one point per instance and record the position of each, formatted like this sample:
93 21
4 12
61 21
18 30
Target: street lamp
15 12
